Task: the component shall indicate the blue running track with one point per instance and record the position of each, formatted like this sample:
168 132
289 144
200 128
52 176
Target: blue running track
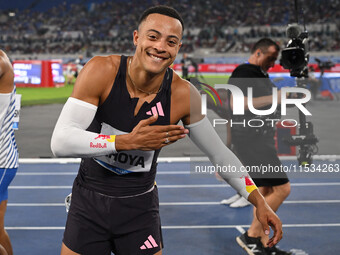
194 222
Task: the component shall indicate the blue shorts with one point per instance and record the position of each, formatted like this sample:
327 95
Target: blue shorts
6 177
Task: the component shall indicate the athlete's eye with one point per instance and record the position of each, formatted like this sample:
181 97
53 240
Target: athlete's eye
152 37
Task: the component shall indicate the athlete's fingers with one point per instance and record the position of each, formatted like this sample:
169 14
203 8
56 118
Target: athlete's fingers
176 133
277 228
167 131
266 229
146 137
169 128
267 217
163 128
148 121
272 241
159 143
170 140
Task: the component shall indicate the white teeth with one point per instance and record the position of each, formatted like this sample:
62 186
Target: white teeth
157 58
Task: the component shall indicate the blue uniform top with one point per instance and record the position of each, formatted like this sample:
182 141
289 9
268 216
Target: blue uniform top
8 147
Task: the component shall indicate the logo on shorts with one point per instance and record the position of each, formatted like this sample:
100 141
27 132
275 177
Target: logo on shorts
156 110
149 243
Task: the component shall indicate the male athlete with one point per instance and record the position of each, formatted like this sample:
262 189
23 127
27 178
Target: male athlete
256 146
122 111
8 147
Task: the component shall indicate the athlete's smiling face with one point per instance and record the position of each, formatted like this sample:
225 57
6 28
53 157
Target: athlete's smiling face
157 41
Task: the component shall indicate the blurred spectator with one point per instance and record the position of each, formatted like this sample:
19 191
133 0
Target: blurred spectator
79 65
185 62
103 27
69 74
313 82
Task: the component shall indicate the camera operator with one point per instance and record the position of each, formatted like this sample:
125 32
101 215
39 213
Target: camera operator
256 146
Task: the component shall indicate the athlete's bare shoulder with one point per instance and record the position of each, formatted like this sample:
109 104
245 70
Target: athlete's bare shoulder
3 54
5 63
96 78
103 67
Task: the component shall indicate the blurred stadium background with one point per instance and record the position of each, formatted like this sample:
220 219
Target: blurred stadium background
37 29
49 41
217 32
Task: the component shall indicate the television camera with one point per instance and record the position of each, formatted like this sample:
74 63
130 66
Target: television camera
324 65
295 57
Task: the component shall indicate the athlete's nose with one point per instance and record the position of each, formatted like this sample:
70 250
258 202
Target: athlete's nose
160 46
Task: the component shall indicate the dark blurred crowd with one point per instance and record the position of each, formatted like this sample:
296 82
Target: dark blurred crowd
106 27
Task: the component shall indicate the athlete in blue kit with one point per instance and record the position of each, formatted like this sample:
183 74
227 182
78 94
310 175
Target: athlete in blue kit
122 111
8 147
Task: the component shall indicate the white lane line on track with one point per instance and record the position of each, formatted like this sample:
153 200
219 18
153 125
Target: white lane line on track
36 204
180 186
184 203
285 202
43 174
75 173
40 187
226 185
324 225
240 229
247 226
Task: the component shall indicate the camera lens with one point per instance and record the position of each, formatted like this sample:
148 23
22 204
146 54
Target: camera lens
292 58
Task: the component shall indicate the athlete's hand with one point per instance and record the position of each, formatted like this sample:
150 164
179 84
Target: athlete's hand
146 137
268 217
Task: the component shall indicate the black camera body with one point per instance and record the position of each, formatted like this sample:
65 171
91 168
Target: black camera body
295 56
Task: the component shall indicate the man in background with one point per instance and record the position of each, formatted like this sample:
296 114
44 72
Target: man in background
185 62
256 146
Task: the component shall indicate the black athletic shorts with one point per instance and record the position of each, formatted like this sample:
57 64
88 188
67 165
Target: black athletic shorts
259 154
98 224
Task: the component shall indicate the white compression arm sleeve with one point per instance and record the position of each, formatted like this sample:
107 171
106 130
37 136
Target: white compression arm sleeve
207 140
70 138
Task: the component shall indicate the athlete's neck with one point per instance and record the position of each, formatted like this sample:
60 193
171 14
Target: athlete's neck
142 81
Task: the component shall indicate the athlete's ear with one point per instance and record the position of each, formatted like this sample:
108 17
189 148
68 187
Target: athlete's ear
135 37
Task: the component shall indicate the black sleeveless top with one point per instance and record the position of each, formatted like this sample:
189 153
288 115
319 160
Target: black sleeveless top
125 173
